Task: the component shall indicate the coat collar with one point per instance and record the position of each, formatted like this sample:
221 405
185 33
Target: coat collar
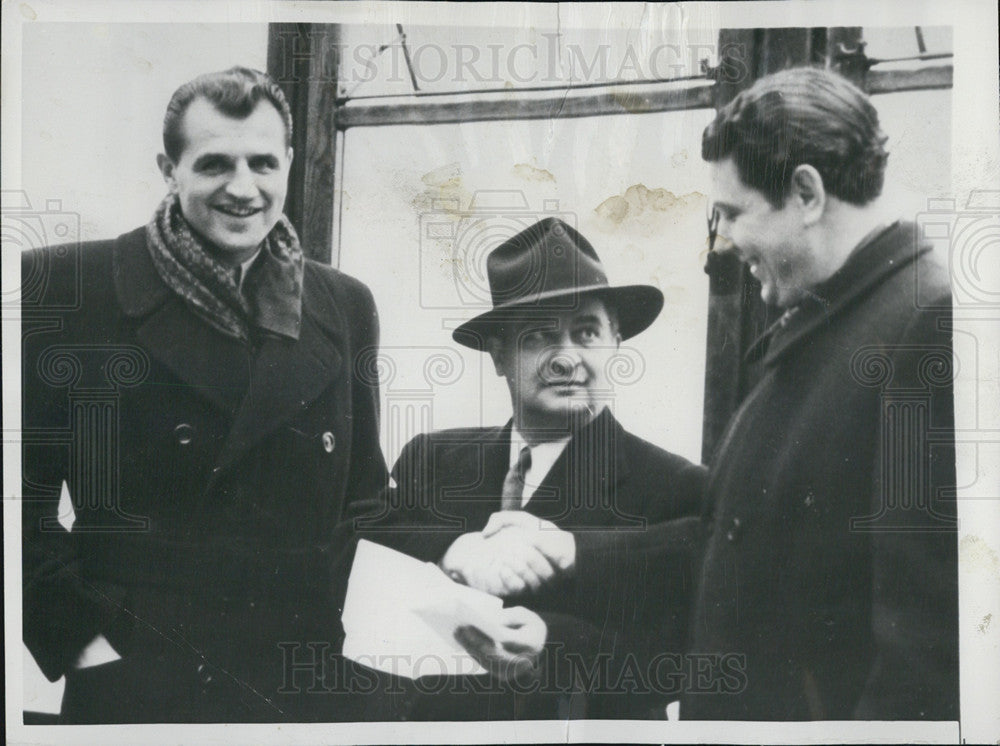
262 391
882 255
137 283
495 442
214 366
471 464
578 491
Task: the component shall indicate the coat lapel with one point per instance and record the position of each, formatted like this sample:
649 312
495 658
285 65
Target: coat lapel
288 375
216 367
261 392
475 476
581 487
495 457
889 252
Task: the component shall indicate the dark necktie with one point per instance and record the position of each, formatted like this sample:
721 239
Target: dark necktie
513 483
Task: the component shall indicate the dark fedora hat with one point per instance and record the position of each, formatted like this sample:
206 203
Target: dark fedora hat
550 266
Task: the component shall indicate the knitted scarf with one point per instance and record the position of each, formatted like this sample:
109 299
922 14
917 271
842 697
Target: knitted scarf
272 291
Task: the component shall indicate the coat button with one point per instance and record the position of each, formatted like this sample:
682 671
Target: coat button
205 674
733 534
329 442
184 433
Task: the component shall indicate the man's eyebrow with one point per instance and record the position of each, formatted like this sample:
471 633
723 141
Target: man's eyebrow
210 157
586 318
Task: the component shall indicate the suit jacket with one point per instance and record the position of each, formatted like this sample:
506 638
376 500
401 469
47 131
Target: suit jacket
450 482
209 480
829 582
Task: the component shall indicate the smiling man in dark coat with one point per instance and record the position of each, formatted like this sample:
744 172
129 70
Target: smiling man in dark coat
554 334
199 404
830 569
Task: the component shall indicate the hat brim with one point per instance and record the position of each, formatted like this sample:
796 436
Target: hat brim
637 306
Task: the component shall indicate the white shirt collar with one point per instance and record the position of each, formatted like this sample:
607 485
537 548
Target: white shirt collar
543 457
244 267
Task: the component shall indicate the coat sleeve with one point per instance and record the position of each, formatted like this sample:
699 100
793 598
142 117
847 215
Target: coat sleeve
914 670
651 572
627 603
60 616
402 515
62 612
630 599
368 473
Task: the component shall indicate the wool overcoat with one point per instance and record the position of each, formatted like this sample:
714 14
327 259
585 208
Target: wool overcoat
209 480
828 587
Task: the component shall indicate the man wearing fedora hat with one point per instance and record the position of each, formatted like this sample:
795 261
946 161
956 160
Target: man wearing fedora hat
553 333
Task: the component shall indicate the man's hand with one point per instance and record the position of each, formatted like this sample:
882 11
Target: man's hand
558 546
514 652
503 565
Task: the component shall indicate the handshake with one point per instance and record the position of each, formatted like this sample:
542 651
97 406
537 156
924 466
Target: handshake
515 553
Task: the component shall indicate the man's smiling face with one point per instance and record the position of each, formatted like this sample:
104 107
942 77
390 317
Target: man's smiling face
231 177
771 240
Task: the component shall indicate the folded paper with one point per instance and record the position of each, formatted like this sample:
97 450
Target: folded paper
400 615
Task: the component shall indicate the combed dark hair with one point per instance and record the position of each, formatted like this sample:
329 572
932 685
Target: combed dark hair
234 92
801 116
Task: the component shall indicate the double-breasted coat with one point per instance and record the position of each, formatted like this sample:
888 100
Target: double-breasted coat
209 480
828 586
450 482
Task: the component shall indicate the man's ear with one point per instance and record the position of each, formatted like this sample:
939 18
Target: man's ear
808 193
166 167
291 154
